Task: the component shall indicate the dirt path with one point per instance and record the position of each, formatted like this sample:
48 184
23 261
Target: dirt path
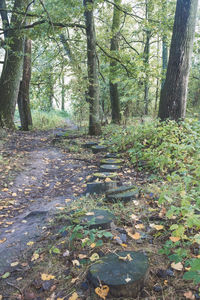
29 197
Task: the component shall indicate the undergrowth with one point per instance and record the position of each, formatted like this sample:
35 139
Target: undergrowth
171 152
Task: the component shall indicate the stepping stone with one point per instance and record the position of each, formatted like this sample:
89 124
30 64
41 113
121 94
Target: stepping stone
125 277
124 196
99 148
121 189
104 175
97 218
111 161
110 168
100 187
112 155
90 144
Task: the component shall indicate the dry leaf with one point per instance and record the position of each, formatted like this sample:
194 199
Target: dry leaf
94 257
1 297
90 213
67 200
14 264
74 296
189 295
93 245
126 258
2 241
102 291
74 279
127 279
108 179
45 277
157 227
82 256
177 267
35 256
174 239
30 243
135 236
139 226
75 262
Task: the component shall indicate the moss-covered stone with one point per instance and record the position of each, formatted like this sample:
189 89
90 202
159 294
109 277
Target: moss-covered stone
111 161
125 196
97 218
99 148
124 273
104 175
112 155
100 187
90 144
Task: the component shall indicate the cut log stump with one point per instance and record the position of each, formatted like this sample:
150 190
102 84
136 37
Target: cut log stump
124 196
99 148
123 272
111 161
97 218
110 168
112 155
104 175
121 189
100 187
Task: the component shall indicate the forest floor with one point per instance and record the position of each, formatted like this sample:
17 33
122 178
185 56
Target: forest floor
39 182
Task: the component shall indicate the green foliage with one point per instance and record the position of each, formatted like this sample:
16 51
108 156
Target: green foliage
48 120
194 272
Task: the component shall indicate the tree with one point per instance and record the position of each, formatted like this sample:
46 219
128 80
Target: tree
174 92
114 47
93 85
23 96
12 68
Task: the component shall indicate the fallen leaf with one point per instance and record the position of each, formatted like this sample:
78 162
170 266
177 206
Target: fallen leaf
75 262
67 200
74 279
6 275
102 291
82 256
14 264
157 227
45 277
108 179
2 241
135 236
35 256
93 245
127 279
189 295
139 226
94 257
90 213
66 253
1 297
177 267
14 194
30 243
126 258
174 239
74 296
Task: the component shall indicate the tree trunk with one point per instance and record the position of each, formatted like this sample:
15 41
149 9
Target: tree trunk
114 47
174 92
12 68
146 63
23 97
63 92
164 48
93 85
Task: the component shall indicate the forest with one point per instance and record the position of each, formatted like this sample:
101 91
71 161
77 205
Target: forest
99 149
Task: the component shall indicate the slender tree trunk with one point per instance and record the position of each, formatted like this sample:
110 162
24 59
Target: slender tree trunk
114 47
23 97
93 85
164 49
174 92
63 92
157 80
146 62
12 68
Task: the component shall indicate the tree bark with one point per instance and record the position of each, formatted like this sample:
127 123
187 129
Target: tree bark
164 48
12 68
114 47
23 97
174 92
146 63
63 91
93 84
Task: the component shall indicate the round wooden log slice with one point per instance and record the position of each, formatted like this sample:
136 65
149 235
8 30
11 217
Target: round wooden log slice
112 155
121 189
90 144
104 175
60 134
99 148
100 187
125 278
110 168
125 196
97 218
111 161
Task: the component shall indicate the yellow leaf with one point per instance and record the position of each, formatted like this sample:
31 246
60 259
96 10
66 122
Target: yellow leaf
124 245
108 179
5 190
75 262
74 279
90 213
14 264
94 257
14 194
2 241
174 239
82 256
177 267
45 277
35 256
102 291
30 243
126 258
139 226
74 296
93 245
157 227
134 217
